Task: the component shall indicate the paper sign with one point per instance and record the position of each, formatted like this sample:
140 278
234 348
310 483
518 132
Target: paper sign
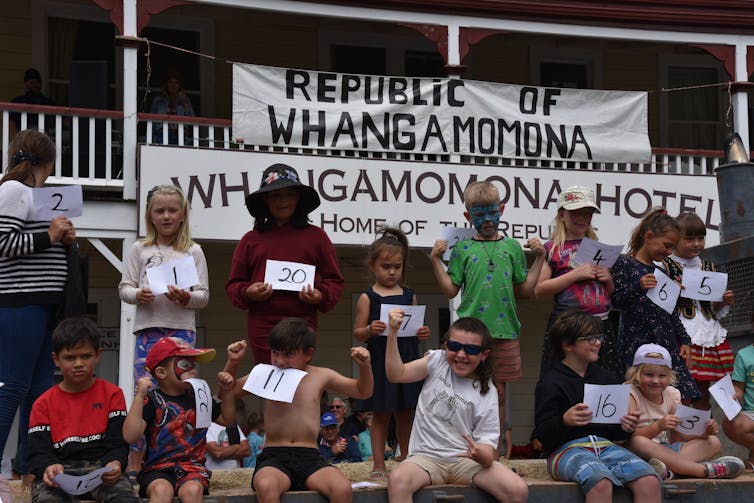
452 235
594 252
273 383
413 318
608 403
703 285
80 484
291 276
180 272
723 393
203 398
693 421
357 485
50 202
666 293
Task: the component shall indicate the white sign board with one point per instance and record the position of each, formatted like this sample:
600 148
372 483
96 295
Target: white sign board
50 202
608 403
359 195
693 421
703 285
203 397
665 293
594 252
291 276
452 235
273 383
413 318
281 107
76 485
723 393
180 273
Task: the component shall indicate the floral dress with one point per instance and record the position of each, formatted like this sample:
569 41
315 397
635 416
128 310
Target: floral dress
643 322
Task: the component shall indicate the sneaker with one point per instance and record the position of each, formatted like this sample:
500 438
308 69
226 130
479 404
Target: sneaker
726 467
660 468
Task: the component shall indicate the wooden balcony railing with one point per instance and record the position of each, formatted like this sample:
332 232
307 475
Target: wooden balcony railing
90 147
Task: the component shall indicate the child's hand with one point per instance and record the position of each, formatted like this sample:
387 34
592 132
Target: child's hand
712 428
422 333
259 291
50 473
669 422
439 248
309 295
236 351
361 356
377 327
177 295
535 245
578 415
630 421
603 274
685 352
395 318
728 297
648 281
584 272
478 453
142 386
144 296
225 381
113 476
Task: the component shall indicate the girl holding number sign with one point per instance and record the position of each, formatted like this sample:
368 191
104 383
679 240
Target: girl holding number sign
387 264
711 356
584 286
172 314
641 320
33 268
659 436
579 450
282 232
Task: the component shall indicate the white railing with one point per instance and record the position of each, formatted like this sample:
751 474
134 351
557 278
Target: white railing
90 149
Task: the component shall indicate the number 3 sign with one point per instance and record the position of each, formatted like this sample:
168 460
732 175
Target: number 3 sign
291 276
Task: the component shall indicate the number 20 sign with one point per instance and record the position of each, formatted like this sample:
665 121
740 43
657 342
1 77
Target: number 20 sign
291 276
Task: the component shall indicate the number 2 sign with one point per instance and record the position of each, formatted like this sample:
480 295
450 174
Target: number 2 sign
291 276
452 235
50 202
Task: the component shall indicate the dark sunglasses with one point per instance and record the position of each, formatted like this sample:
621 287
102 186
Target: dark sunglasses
591 339
333 407
469 349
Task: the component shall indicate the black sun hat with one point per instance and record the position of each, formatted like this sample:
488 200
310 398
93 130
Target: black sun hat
280 176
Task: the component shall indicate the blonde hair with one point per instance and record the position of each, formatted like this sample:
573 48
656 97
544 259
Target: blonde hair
558 235
633 373
183 240
480 193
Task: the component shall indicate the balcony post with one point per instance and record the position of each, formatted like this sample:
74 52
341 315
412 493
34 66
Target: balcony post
130 121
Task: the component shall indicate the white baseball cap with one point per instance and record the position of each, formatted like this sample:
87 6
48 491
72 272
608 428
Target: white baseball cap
652 354
575 197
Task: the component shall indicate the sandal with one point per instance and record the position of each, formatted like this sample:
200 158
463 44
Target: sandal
379 475
132 476
749 467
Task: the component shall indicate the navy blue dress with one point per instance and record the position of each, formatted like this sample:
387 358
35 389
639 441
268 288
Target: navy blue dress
642 322
387 396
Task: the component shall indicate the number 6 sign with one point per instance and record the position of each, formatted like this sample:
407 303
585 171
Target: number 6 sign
291 276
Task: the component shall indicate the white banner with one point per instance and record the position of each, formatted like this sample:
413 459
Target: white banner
309 109
360 194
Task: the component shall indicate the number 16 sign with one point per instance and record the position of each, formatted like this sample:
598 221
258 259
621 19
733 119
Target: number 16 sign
608 403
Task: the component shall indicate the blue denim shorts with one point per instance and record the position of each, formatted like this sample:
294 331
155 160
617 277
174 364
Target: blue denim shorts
588 460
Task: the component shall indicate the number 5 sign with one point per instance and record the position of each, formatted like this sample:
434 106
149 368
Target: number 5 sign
703 285
290 276
608 403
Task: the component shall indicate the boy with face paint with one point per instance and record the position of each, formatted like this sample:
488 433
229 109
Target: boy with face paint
491 272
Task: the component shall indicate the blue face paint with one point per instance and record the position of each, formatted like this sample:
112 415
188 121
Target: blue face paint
480 214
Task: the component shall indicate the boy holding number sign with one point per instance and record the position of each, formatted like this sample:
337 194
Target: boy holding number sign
662 435
579 450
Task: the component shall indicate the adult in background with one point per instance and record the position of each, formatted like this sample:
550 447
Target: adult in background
172 101
33 271
32 96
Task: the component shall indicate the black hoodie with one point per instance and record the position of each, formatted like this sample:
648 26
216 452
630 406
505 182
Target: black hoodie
558 390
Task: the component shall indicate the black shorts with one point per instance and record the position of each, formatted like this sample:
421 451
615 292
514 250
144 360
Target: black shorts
297 463
177 476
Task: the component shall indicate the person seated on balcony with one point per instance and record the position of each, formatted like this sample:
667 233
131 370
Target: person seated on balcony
32 96
172 101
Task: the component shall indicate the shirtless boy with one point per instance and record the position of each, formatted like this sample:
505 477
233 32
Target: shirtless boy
290 459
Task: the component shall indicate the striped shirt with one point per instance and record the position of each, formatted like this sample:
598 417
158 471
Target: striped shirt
32 270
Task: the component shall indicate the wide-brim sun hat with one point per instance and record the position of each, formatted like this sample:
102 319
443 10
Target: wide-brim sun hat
279 176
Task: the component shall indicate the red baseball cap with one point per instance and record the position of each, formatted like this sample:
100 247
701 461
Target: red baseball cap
172 346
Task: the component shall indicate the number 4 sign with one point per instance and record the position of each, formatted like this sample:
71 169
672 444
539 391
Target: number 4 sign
608 403
291 276
594 252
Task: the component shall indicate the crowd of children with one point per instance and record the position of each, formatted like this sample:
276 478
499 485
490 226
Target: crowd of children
448 404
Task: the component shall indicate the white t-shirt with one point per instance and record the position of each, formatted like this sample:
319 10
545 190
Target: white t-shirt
216 433
448 407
